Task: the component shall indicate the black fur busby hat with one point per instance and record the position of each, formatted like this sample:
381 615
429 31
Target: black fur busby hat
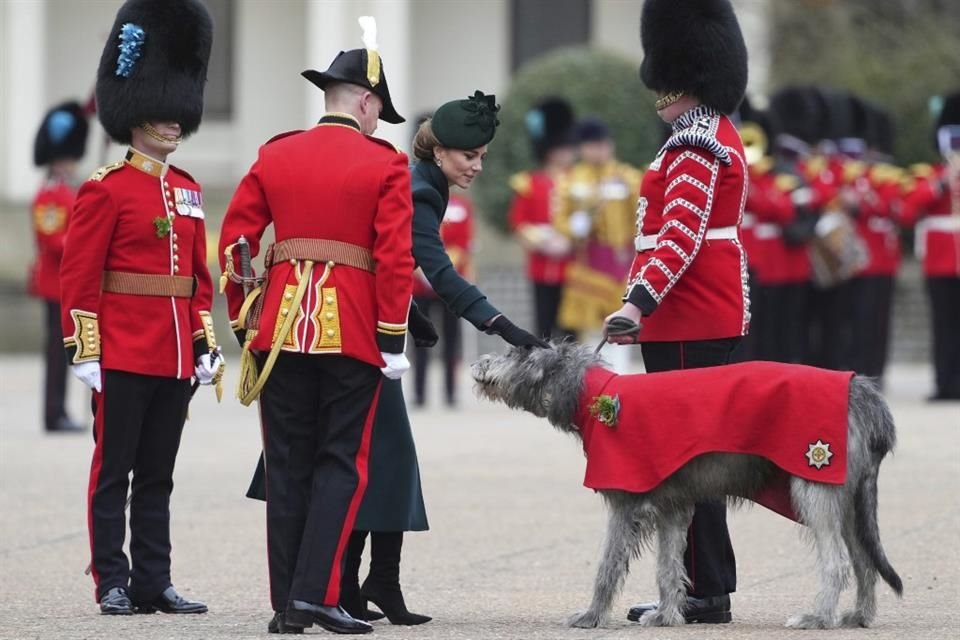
362 67
949 116
694 46
800 112
154 66
550 124
62 134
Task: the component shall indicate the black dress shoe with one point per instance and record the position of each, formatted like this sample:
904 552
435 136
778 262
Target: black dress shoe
63 424
712 610
171 602
116 602
305 614
278 625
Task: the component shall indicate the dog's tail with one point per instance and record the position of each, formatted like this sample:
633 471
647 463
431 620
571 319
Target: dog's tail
881 437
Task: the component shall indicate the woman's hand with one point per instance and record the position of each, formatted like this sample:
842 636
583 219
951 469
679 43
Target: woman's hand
629 311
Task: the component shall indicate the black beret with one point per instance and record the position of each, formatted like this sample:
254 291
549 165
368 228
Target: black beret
466 124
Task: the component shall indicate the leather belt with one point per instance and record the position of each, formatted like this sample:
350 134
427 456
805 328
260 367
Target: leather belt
648 243
320 250
148 284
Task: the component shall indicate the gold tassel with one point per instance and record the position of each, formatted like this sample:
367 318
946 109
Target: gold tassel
223 282
248 372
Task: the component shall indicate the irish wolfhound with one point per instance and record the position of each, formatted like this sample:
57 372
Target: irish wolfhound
842 516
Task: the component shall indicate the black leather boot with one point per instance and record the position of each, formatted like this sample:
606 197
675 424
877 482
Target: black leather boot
382 586
350 598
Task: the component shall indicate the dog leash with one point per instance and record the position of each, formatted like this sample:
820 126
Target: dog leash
618 326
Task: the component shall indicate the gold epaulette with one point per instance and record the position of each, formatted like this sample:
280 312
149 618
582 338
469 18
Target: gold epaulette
521 183
853 169
102 172
815 166
786 182
921 170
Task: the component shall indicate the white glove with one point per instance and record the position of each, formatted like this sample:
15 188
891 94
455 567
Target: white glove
397 363
580 224
206 369
89 374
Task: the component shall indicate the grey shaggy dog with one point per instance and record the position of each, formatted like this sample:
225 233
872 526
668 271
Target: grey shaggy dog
841 518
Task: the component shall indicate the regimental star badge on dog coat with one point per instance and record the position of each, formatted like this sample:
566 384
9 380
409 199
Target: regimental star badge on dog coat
819 454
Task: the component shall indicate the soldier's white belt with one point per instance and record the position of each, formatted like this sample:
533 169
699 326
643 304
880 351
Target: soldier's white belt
944 223
648 243
748 220
767 231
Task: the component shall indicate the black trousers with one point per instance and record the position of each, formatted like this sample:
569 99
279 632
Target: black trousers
872 306
137 426
450 335
709 560
830 327
317 415
55 373
945 311
546 301
783 322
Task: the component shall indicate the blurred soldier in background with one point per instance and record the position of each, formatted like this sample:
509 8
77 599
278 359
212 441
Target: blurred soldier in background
60 142
870 193
136 296
931 200
456 232
596 210
550 127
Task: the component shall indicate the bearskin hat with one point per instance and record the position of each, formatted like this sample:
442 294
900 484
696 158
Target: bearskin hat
800 112
950 113
62 134
550 124
154 66
694 46
756 128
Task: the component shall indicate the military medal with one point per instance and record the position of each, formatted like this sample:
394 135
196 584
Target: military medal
819 454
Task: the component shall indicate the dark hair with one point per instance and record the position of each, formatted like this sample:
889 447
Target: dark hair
424 141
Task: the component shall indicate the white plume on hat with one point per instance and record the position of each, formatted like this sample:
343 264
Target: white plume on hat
369 26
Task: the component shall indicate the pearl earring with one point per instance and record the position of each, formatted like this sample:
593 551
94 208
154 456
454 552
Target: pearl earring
439 162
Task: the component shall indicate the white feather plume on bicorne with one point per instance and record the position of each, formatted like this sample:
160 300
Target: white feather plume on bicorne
369 26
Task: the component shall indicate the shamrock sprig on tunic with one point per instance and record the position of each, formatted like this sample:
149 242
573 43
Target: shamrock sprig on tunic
162 224
606 409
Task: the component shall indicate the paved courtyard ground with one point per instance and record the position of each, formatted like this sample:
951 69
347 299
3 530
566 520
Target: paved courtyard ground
514 538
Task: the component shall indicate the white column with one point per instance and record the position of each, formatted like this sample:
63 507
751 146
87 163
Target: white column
22 99
329 30
393 33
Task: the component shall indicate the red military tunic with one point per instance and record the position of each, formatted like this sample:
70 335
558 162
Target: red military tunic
793 415
456 232
352 311
531 217
878 190
771 203
51 214
690 272
139 216
927 204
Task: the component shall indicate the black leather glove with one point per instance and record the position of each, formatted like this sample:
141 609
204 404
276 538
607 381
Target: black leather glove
514 335
241 336
423 332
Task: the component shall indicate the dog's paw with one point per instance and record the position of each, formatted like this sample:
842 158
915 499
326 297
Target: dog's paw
808 621
855 619
585 620
659 618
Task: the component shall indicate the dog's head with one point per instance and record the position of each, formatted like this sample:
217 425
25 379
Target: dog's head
544 382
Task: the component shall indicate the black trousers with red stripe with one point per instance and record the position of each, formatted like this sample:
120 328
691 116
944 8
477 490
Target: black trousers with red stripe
709 560
316 413
138 423
55 374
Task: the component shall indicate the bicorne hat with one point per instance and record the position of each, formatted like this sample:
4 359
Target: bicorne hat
696 47
362 67
154 66
62 134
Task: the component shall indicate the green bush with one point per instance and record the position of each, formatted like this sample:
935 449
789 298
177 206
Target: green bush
596 83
